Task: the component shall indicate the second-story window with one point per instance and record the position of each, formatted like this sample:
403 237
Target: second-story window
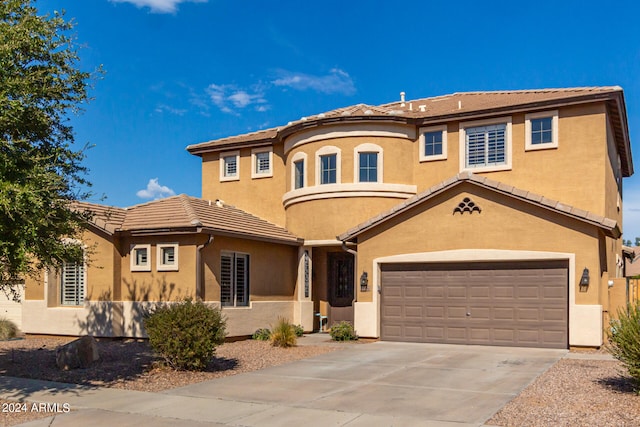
328 165
298 170
230 166
541 130
433 143
261 162
368 163
328 169
368 167
486 145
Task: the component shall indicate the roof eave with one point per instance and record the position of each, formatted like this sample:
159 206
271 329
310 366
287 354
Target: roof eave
293 241
209 147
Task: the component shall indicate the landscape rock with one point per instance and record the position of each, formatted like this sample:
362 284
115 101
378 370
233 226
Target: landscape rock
80 353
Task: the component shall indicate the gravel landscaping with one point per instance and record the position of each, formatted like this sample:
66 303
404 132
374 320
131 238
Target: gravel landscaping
572 393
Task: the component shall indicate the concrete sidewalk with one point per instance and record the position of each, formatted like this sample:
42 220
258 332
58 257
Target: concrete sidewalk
378 384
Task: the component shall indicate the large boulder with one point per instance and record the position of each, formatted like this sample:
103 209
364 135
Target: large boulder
80 353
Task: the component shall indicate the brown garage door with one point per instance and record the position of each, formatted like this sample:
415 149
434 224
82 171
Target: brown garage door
498 303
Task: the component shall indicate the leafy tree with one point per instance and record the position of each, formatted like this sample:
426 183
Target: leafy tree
41 173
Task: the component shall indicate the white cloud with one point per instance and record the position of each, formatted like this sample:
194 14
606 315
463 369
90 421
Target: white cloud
337 81
159 6
229 97
155 191
163 108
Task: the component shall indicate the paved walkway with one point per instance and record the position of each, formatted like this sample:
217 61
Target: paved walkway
378 384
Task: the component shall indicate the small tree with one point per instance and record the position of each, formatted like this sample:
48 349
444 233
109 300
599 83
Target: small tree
624 339
40 171
186 333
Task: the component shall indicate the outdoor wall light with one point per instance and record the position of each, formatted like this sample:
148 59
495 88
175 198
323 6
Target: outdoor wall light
584 280
364 282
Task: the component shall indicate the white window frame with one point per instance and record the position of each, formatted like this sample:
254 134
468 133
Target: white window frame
528 145
324 151
223 176
421 140
132 254
368 148
80 282
234 279
254 163
300 156
507 142
160 265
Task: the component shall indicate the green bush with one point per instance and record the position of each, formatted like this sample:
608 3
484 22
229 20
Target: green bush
343 331
299 330
186 333
8 329
262 334
624 340
283 334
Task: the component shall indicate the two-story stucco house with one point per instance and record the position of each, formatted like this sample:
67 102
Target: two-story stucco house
478 218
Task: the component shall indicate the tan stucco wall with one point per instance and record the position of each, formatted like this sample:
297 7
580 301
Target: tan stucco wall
101 262
273 269
572 173
504 223
157 285
259 196
326 218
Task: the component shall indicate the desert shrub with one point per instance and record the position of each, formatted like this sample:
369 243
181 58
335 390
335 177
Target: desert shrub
299 330
262 334
283 334
343 331
624 340
8 329
186 333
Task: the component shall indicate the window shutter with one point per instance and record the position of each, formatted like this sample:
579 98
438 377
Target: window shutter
241 280
73 284
226 279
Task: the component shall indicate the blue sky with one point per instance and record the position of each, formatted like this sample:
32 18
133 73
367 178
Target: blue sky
179 72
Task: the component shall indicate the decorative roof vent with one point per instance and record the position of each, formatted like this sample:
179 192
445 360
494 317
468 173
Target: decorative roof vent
467 205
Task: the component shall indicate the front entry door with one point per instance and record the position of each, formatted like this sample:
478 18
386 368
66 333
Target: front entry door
341 292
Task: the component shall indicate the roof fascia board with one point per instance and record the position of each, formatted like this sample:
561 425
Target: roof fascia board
245 236
198 149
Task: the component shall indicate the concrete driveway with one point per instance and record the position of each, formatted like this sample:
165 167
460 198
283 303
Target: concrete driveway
377 384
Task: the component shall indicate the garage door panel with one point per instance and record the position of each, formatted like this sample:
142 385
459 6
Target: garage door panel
435 312
504 314
456 292
503 291
413 291
456 312
435 291
480 292
414 312
514 304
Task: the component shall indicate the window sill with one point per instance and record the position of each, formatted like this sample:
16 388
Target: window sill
496 168
547 146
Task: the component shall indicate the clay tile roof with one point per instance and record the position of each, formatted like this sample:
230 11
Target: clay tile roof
609 226
106 218
458 105
186 214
